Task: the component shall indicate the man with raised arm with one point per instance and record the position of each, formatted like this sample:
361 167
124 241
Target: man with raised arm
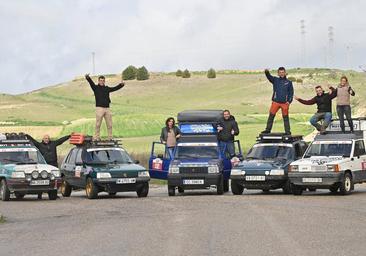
102 102
282 96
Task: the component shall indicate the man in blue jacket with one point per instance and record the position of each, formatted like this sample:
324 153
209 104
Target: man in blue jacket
282 96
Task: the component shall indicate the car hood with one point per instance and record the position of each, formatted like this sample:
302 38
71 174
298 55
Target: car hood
263 164
117 167
319 160
29 168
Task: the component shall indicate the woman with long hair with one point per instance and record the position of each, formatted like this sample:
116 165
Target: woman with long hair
170 134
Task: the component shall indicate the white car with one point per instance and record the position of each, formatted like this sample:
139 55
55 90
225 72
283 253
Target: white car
334 161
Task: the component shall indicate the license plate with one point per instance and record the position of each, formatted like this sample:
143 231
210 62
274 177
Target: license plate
193 182
312 180
40 182
126 181
255 178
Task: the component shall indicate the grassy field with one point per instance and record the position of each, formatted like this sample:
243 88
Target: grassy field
141 107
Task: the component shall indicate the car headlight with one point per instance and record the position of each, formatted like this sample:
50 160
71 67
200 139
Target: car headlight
237 172
277 172
333 168
103 175
56 173
173 169
144 174
213 169
293 168
18 175
44 174
35 174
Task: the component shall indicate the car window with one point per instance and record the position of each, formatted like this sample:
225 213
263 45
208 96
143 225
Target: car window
78 156
359 148
72 157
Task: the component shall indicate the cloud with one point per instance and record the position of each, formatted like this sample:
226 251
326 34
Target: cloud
47 42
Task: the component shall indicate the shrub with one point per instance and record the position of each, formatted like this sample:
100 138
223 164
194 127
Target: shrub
211 73
186 74
142 74
129 73
292 79
179 73
299 80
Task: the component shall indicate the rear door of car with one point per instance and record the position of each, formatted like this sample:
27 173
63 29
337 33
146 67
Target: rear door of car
69 167
159 161
359 161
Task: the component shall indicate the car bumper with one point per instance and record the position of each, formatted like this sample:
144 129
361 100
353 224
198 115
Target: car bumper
208 180
327 179
24 186
270 182
110 185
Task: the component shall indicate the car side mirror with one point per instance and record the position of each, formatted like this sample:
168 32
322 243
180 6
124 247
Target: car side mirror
137 161
160 156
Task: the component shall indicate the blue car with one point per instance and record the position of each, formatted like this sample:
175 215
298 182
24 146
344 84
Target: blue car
197 161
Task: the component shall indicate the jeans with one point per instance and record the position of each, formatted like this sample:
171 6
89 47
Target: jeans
326 116
171 151
345 111
229 145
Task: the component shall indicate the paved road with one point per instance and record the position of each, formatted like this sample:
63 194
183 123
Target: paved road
195 224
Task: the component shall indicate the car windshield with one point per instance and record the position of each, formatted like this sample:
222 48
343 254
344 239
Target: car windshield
106 156
264 152
196 152
21 156
329 149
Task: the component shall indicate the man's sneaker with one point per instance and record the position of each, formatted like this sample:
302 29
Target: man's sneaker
266 132
287 133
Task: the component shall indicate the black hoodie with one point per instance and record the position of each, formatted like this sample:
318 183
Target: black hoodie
228 125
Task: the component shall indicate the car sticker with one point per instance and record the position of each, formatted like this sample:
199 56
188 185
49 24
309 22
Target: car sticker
363 164
78 171
325 160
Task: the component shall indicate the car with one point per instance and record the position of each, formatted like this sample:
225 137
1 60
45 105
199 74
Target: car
23 170
197 161
98 166
334 161
266 164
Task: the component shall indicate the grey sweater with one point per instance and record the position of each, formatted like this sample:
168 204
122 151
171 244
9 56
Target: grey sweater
344 94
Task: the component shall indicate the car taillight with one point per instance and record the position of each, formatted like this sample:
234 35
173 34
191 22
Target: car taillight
157 164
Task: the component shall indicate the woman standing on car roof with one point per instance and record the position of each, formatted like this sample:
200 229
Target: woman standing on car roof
170 134
344 92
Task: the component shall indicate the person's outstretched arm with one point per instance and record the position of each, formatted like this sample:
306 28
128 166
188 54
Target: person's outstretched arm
90 81
306 102
62 140
36 143
115 88
269 76
290 93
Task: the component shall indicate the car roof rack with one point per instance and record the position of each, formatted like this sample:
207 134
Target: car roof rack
336 135
81 140
278 137
200 116
14 139
195 138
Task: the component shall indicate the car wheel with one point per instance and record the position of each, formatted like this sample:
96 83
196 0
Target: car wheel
4 191
287 187
143 191
112 193
334 189
220 186
346 184
297 190
226 185
236 188
171 190
180 190
52 195
66 189
19 195
90 189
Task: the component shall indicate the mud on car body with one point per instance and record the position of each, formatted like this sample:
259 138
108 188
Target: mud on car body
334 161
266 165
23 169
101 166
197 161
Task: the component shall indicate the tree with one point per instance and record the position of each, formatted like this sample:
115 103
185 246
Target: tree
292 79
211 73
186 74
129 73
179 73
142 74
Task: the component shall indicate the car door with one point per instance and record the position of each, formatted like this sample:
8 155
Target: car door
359 161
159 161
70 167
79 171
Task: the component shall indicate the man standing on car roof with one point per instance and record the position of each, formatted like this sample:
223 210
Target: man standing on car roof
48 147
227 128
282 96
102 102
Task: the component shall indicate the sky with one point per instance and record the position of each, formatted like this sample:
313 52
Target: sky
46 42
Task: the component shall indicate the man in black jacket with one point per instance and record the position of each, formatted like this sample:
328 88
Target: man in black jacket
227 128
102 102
48 147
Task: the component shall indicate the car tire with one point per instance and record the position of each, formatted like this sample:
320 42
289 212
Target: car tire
220 186
346 184
18 195
287 187
66 189
4 191
171 190
236 188
297 190
226 186
143 191
52 195
180 190
90 189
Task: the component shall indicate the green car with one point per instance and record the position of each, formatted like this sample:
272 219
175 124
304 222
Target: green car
102 166
23 170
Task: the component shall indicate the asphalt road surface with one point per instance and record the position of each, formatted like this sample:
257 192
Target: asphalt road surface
202 223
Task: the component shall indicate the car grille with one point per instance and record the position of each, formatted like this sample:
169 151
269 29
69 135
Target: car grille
193 169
